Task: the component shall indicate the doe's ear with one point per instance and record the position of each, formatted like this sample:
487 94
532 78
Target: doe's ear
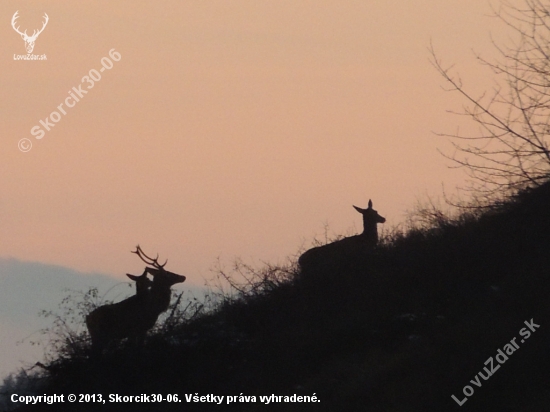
133 277
359 209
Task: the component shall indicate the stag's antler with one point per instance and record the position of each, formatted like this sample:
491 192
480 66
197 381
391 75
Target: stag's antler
35 32
35 35
15 16
148 260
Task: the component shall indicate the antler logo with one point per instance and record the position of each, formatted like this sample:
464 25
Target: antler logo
29 40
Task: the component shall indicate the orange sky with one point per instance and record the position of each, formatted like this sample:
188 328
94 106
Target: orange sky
228 128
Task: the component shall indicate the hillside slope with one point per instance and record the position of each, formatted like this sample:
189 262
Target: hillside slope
401 328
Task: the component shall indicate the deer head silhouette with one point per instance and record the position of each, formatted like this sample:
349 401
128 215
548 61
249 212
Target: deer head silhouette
370 219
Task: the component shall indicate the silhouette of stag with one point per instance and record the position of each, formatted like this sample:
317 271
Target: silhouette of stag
344 249
134 316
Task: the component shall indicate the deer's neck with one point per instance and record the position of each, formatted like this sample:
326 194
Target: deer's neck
370 232
160 298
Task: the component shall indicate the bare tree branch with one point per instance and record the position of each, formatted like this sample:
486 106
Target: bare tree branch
511 150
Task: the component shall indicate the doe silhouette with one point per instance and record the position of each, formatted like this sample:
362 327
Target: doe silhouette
134 316
143 283
338 252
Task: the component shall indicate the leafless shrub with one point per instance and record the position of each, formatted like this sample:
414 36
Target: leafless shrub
511 150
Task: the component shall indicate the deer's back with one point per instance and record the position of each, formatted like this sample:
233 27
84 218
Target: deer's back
130 317
336 252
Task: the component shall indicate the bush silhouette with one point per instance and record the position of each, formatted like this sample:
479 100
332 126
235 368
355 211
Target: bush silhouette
401 329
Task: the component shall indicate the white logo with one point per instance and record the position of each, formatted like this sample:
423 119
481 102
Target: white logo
29 40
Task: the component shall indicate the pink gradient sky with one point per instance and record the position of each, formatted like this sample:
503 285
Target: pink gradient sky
229 128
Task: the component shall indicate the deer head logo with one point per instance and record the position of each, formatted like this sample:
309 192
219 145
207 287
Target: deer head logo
29 40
